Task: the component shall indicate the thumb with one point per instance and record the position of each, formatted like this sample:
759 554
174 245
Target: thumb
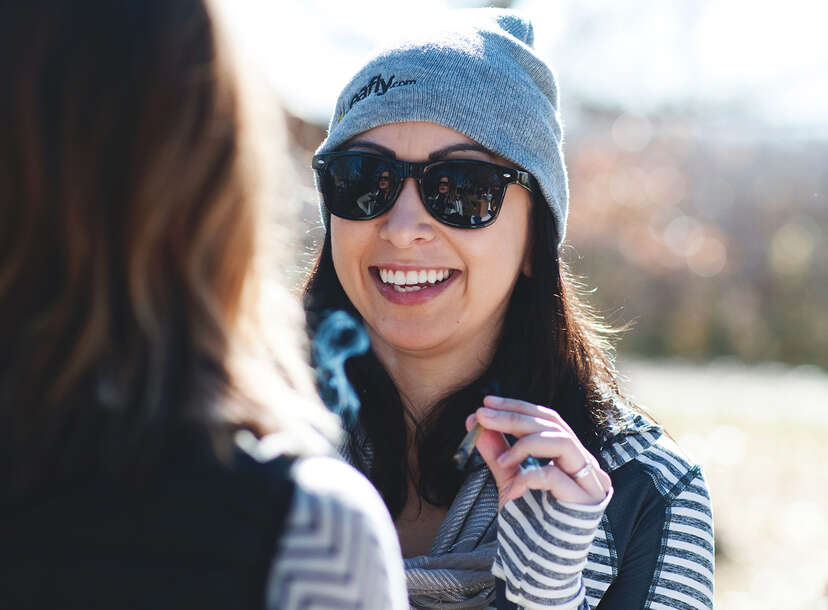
491 444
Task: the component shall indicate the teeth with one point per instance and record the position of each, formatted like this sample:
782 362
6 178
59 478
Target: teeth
413 279
407 288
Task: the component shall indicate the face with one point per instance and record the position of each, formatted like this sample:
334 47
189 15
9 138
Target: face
457 281
384 181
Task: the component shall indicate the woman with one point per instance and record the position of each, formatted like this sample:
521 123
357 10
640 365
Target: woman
134 381
576 499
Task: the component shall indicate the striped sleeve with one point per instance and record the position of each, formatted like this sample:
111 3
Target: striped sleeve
664 535
339 549
684 573
542 549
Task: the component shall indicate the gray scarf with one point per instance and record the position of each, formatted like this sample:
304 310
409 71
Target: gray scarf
457 572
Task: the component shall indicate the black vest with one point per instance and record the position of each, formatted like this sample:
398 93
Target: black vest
199 536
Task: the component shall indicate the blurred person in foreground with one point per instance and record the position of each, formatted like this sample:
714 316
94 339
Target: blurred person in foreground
575 499
156 449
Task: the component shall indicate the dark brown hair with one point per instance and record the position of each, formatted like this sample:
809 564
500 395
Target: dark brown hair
129 241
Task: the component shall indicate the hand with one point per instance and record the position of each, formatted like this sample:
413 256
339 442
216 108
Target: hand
541 433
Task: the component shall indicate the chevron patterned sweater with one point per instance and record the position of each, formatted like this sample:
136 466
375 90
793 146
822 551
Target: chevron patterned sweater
339 549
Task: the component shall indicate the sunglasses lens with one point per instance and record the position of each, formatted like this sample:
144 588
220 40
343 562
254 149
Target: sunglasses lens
464 193
357 187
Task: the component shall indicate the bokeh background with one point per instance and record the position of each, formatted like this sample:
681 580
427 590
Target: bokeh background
697 148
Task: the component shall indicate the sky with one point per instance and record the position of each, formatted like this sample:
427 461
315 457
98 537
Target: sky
754 63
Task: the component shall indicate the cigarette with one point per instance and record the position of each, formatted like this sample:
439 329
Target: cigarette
464 450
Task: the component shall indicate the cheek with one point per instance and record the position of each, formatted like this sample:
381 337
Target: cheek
345 248
352 243
495 269
507 247
494 264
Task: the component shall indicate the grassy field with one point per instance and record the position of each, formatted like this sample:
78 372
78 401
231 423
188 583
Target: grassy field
761 435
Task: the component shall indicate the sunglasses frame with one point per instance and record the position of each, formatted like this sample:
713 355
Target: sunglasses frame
417 170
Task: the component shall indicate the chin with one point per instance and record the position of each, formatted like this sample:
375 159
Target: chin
408 337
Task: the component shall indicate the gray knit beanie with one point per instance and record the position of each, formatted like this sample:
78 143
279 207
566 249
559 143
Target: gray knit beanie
477 73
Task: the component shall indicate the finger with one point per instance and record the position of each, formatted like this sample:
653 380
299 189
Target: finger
516 424
591 482
568 455
504 462
552 479
596 479
565 450
492 444
470 421
525 408
603 478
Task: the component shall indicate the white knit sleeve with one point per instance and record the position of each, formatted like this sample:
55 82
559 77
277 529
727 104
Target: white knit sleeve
542 549
339 548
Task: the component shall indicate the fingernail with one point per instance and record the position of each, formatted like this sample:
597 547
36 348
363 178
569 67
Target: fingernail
503 458
493 400
487 412
470 420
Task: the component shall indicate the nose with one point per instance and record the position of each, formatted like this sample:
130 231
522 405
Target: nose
407 223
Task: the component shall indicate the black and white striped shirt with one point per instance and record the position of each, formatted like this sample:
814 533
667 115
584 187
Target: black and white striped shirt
647 545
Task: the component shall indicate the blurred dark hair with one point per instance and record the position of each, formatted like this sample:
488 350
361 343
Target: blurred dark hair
552 351
130 206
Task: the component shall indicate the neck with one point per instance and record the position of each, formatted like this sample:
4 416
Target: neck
423 378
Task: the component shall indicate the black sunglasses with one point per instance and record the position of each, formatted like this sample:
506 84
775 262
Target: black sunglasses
349 182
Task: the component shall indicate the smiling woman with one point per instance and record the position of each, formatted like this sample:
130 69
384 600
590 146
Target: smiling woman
575 499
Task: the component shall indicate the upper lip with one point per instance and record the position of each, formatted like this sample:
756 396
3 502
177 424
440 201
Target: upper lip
411 266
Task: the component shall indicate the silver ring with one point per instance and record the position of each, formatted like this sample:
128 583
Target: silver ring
583 472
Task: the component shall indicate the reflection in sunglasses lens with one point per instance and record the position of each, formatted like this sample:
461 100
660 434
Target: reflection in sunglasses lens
463 195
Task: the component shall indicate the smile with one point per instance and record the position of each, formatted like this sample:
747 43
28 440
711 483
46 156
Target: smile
412 286
413 280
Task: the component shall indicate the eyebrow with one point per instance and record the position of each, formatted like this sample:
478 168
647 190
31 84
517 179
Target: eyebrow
436 155
444 152
377 147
